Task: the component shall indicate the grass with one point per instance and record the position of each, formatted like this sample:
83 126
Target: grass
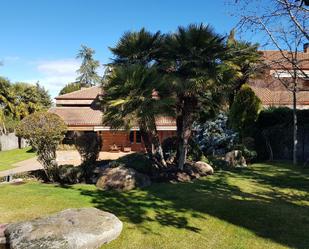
10 157
266 206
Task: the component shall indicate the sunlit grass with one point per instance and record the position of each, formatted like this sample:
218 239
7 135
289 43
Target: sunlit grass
10 157
266 206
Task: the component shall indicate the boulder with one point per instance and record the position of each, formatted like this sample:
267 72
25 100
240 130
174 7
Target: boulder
70 229
235 159
121 178
182 177
2 237
203 168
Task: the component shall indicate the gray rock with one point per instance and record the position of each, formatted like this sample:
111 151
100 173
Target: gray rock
235 159
84 228
121 178
183 177
2 237
203 168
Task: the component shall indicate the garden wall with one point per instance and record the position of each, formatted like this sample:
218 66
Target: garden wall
10 142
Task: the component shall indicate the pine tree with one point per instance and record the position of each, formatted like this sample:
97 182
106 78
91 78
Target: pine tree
88 75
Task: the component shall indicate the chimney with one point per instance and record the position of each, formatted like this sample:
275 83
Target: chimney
306 48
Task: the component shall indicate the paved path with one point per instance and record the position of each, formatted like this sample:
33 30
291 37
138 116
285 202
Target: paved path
23 166
63 157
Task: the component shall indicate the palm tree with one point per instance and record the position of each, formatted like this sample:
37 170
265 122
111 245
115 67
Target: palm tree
2 122
130 102
192 55
6 96
134 61
137 48
243 61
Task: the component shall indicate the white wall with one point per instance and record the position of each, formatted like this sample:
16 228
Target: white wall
10 142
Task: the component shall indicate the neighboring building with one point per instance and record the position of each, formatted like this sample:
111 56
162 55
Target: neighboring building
82 113
269 88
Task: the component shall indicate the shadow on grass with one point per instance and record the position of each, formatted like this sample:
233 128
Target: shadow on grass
31 150
267 212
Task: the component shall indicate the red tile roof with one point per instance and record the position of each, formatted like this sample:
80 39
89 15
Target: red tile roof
74 116
84 93
279 97
276 60
86 116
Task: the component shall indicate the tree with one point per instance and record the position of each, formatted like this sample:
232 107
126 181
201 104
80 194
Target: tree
284 24
134 77
130 102
88 146
244 111
2 122
44 131
292 14
87 71
29 99
192 56
43 96
71 87
137 48
6 96
242 62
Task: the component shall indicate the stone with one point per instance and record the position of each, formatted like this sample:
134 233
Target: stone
182 177
84 228
203 168
121 178
235 159
191 171
2 237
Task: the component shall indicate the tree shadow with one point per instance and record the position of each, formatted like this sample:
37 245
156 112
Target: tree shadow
135 207
269 213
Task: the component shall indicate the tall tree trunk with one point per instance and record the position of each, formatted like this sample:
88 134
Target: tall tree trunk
146 138
157 151
185 121
294 128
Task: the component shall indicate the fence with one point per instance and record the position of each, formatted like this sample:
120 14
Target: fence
10 142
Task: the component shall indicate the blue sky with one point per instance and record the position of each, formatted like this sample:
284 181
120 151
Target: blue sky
40 38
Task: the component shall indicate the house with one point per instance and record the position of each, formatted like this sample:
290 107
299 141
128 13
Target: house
81 112
270 89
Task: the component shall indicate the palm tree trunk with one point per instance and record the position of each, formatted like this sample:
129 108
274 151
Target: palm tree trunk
146 139
294 128
185 124
157 146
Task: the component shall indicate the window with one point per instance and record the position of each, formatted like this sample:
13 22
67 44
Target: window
131 137
138 137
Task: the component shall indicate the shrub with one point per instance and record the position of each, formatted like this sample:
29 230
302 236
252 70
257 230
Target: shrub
194 152
214 137
68 174
244 110
274 134
138 161
88 146
44 131
169 147
66 147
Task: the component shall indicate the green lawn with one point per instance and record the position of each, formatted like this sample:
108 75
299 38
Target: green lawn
266 206
10 157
